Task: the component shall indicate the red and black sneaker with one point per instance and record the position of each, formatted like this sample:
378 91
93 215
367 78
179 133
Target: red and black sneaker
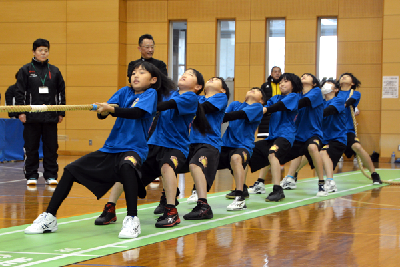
170 218
107 216
200 212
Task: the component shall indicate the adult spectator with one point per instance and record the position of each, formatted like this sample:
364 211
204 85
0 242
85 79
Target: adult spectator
10 98
270 88
40 83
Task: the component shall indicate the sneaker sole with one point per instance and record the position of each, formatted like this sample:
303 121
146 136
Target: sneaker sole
201 218
44 232
233 197
168 225
52 182
235 209
267 200
376 183
113 220
322 194
122 236
31 182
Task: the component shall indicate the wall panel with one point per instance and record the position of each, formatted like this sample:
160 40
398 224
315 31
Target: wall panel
370 75
92 32
200 54
388 118
369 121
201 32
22 11
258 31
300 69
370 98
139 11
392 52
368 29
78 140
242 31
92 75
360 8
360 52
257 54
242 54
256 76
26 33
300 53
96 54
301 30
159 31
99 10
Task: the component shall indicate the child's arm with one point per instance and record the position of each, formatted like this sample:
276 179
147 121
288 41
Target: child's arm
235 115
170 104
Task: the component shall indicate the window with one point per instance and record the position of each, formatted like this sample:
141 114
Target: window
275 45
177 56
327 48
226 53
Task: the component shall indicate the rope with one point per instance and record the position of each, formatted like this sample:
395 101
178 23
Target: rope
358 157
43 108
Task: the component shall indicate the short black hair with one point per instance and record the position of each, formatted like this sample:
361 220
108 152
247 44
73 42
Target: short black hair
264 97
41 42
145 36
314 80
16 75
356 82
200 80
275 67
295 80
324 81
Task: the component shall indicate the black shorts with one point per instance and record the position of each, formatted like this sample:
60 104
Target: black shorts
263 148
206 157
335 150
98 171
301 149
157 157
226 155
351 140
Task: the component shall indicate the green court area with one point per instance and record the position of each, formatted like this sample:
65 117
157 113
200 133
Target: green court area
78 239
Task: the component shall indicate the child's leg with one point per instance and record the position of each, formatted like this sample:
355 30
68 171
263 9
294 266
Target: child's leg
365 158
199 180
328 164
116 192
317 160
129 177
61 192
238 171
275 169
170 183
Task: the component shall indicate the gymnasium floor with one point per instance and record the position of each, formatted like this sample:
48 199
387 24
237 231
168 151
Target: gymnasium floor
357 226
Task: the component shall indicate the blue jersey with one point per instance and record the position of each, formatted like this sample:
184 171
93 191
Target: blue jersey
172 130
334 126
219 101
357 96
309 119
282 123
240 133
132 134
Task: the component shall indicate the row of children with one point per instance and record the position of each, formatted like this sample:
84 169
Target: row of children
129 161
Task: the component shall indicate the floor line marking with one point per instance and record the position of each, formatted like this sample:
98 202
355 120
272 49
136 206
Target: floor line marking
13 181
47 253
185 227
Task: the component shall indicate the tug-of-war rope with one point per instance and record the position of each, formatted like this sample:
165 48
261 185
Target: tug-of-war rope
43 108
358 157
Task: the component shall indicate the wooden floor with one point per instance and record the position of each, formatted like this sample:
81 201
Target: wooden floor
356 230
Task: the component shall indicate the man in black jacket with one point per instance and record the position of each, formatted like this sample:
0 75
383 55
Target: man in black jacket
270 88
146 48
40 83
10 97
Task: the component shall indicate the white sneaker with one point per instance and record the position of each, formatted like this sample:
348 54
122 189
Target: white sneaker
257 188
330 186
130 227
238 204
322 191
193 198
289 183
45 223
51 181
31 181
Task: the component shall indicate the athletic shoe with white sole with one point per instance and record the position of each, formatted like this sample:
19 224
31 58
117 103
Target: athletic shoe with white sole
31 181
45 223
130 227
289 183
376 179
330 186
257 188
51 181
322 192
238 204
193 198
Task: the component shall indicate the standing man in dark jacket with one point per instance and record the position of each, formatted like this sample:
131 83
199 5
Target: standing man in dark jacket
146 48
270 88
40 83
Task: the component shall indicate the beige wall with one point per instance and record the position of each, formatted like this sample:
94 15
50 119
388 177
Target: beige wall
92 43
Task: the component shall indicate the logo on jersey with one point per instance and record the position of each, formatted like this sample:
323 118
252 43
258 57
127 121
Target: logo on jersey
135 102
174 161
244 156
274 148
203 161
131 159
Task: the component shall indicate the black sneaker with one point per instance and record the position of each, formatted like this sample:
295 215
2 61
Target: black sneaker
160 209
375 178
276 195
232 194
170 218
200 212
107 216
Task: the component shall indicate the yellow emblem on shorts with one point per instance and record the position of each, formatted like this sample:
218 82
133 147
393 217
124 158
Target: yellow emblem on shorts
274 148
132 159
326 146
316 141
174 161
356 139
203 161
244 156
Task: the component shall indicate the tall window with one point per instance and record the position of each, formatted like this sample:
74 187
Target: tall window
226 53
275 45
327 47
177 53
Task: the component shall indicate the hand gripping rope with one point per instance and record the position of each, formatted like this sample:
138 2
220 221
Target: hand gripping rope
43 108
358 157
